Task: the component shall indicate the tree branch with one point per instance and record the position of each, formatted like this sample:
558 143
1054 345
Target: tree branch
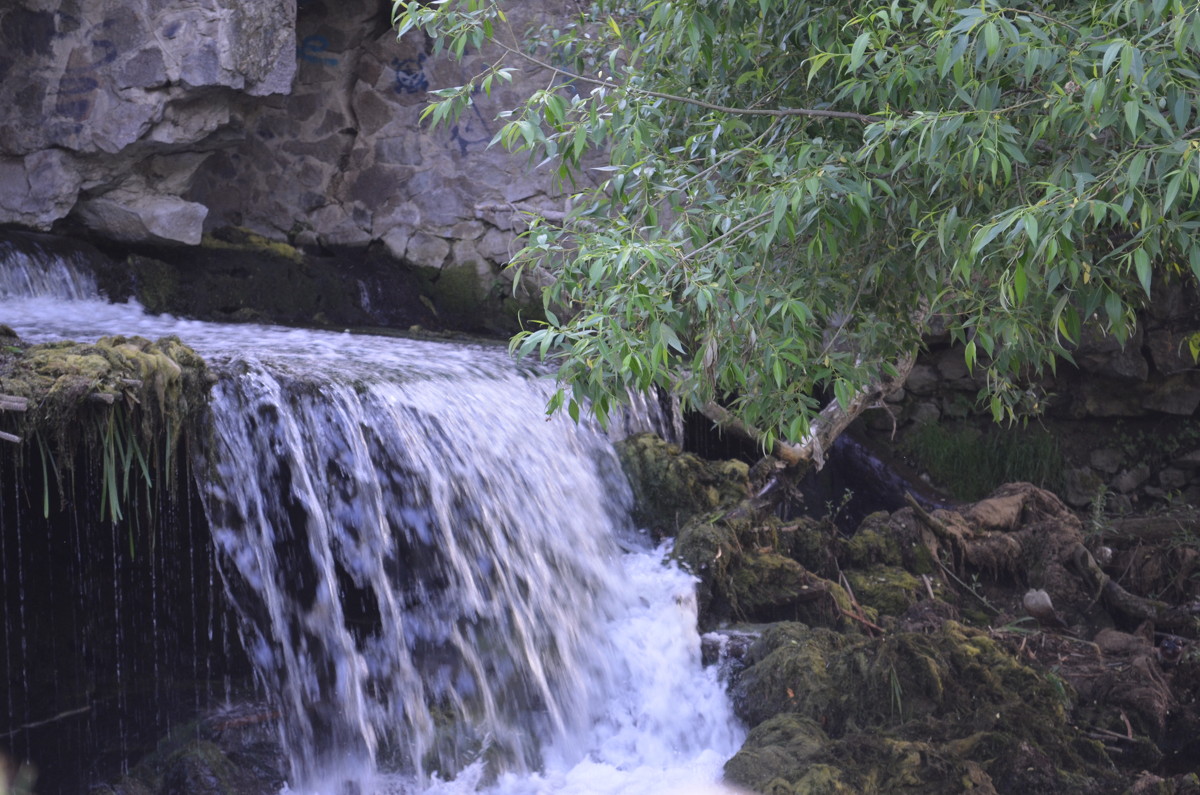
777 112
825 427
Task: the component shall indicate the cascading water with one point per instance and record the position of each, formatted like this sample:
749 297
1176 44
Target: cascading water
430 572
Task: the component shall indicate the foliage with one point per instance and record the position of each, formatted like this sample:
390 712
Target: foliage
791 187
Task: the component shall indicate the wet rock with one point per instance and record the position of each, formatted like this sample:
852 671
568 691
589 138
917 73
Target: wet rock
232 752
670 486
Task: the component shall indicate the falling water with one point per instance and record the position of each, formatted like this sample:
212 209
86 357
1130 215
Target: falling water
437 584
33 265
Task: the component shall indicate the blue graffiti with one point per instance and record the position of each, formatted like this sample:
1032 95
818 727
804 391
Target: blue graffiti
471 130
410 75
77 80
311 48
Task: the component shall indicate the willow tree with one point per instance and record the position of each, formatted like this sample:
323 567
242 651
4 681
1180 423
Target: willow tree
774 199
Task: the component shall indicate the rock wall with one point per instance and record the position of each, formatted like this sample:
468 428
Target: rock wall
162 121
108 105
1124 417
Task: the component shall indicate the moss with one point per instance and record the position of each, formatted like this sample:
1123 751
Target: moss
814 543
888 589
239 239
941 712
744 578
777 758
789 672
873 542
155 283
123 400
765 585
671 487
459 290
707 549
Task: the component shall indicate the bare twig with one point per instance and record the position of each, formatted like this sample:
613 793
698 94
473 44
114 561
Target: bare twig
35 724
778 112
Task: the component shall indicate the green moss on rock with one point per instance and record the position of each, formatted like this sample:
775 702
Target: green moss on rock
874 542
670 487
942 712
888 589
744 578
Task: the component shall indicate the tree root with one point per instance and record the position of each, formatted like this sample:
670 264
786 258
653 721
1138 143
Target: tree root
1129 605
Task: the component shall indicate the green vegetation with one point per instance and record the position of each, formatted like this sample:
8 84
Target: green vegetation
124 403
793 191
970 462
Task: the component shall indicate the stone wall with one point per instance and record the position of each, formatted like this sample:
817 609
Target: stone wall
162 121
1125 415
107 106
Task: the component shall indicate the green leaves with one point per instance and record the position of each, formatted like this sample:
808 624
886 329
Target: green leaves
1023 171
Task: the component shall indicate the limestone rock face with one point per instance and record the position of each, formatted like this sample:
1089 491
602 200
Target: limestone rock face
343 160
160 121
90 92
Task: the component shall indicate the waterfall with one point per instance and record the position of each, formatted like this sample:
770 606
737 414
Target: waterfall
38 266
437 584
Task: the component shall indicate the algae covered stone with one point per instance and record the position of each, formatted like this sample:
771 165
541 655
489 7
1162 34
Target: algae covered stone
941 712
670 487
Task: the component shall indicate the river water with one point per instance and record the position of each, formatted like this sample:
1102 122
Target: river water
438 586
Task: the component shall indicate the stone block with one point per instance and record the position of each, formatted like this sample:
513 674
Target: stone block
1131 479
1173 479
922 379
1106 460
1179 395
140 217
396 241
496 245
1081 485
426 250
146 69
1169 351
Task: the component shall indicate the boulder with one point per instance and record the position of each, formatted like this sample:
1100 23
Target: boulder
670 486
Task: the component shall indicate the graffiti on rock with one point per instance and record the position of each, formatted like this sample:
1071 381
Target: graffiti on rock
312 50
472 129
410 75
79 80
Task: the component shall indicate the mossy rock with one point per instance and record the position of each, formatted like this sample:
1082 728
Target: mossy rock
788 671
165 383
235 752
943 712
890 590
874 542
236 238
744 579
778 758
670 487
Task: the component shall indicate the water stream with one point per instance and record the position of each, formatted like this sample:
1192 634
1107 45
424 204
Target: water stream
437 585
